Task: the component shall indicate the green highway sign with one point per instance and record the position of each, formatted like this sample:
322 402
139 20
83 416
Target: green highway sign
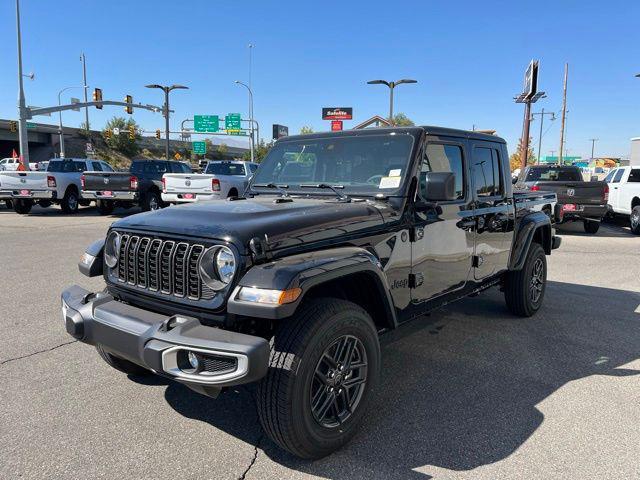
237 132
199 148
206 123
31 125
232 121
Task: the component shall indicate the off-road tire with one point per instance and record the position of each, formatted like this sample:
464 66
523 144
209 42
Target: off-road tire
149 200
70 201
105 207
284 394
121 364
22 206
634 220
518 284
591 227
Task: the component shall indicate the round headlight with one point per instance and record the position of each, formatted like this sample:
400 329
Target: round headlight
217 266
111 249
225 264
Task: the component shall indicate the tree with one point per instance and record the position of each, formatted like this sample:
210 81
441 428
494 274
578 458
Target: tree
306 129
515 160
401 120
121 142
222 150
260 151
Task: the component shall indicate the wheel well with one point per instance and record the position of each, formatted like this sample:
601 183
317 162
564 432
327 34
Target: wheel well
233 192
542 235
635 202
71 188
359 288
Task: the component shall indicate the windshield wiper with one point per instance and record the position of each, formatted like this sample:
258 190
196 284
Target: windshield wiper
333 188
280 188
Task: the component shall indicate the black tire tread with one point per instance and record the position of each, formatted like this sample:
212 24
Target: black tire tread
635 231
515 291
290 339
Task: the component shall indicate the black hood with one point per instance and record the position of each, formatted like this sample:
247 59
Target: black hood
284 224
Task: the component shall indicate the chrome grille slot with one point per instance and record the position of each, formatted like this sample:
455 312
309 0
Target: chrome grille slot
163 266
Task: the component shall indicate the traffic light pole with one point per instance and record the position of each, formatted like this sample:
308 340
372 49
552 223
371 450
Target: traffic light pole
22 108
166 118
33 112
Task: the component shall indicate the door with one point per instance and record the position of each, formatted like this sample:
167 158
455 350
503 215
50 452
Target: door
442 243
615 190
493 209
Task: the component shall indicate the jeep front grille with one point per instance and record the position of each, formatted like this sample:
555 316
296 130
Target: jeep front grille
164 266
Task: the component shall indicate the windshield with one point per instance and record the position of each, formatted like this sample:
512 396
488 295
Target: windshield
365 165
225 169
554 174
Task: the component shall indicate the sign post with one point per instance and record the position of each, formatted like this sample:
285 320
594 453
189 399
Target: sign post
529 95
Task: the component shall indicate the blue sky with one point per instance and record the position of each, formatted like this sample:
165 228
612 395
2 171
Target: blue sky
468 57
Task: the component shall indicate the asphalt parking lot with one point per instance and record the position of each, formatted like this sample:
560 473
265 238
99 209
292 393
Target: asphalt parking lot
470 392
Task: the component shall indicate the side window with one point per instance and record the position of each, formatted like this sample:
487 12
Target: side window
618 176
106 167
609 176
634 176
80 166
443 158
186 168
96 166
487 181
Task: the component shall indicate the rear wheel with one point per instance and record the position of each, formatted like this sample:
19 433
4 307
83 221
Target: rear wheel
8 203
69 202
105 207
634 220
232 193
151 201
121 364
591 227
524 289
323 370
22 206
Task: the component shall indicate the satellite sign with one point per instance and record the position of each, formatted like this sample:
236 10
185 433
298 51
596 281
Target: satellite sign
531 80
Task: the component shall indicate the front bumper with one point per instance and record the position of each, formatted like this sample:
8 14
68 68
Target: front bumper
32 195
159 342
582 212
115 195
180 197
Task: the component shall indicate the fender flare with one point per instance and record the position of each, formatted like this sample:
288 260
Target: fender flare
527 229
305 271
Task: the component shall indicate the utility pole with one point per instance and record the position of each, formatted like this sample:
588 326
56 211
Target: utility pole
22 121
86 99
542 114
593 143
564 112
524 143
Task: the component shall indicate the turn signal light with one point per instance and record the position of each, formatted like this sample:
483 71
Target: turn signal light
51 181
133 182
215 184
266 296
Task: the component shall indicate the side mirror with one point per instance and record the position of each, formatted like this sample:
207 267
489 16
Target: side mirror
514 180
439 186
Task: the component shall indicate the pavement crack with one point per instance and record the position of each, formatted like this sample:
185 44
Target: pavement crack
38 352
253 460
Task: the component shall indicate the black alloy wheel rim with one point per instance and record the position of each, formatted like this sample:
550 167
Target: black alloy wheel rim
537 280
339 381
153 203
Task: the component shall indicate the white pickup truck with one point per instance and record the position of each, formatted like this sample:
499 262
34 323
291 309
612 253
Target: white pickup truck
624 194
221 179
60 184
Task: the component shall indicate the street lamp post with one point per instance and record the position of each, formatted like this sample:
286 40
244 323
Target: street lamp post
250 116
22 121
166 90
542 114
391 86
60 132
86 99
593 145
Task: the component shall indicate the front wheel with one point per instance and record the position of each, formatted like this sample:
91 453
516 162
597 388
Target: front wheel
22 206
151 202
591 227
524 289
634 220
324 367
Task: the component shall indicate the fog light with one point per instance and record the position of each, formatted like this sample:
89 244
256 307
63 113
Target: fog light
193 360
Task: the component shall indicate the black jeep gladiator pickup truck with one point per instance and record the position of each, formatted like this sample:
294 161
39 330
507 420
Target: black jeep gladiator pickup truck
141 185
578 200
340 237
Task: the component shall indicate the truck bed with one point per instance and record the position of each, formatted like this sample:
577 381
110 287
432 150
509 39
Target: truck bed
583 193
22 184
106 181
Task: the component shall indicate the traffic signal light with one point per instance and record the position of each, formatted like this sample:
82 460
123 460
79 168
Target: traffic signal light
107 134
97 96
132 132
128 108
158 134
13 126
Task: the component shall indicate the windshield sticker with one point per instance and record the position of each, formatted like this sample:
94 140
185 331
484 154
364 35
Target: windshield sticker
389 182
395 172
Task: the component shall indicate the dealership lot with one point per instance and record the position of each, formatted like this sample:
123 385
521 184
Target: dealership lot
469 392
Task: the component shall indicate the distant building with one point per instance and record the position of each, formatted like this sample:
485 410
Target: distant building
373 122
635 151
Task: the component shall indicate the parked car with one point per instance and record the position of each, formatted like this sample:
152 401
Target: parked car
141 185
341 237
221 179
59 184
624 194
577 200
9 164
